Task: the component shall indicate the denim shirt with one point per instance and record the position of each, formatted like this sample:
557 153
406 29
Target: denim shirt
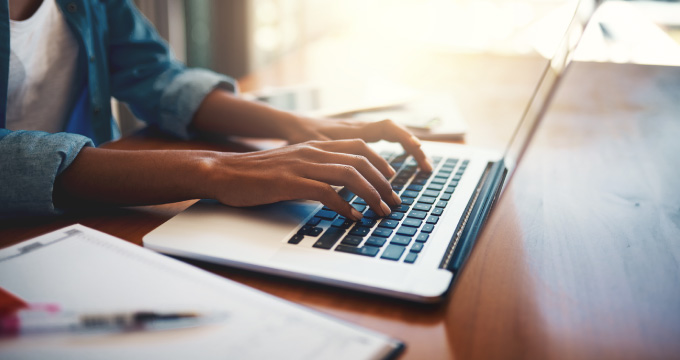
121 55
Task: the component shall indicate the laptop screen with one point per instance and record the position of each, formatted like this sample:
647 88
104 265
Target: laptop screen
543 92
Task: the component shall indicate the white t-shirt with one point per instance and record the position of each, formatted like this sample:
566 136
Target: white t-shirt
42 71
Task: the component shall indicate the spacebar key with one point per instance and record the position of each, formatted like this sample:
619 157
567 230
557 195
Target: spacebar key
329 238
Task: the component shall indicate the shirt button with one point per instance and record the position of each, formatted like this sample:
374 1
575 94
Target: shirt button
72 7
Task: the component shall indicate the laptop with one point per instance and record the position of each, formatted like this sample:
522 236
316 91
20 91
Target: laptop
415 253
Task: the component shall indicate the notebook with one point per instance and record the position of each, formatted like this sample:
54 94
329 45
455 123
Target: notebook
85 270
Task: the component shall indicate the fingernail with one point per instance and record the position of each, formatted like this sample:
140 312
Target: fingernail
429 163
356 215
392 171
415 140
386 209
397 199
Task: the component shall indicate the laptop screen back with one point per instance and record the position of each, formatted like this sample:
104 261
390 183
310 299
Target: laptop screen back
543 92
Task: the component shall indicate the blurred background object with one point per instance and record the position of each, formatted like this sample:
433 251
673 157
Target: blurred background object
240 37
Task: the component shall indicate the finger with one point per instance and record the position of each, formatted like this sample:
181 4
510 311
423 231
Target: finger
319 191
382 130
362 165
352 179
391 131
359 147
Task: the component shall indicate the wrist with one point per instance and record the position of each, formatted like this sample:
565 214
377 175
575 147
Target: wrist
291 126
203 174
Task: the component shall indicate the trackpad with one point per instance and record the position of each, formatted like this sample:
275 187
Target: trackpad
214 229
264 222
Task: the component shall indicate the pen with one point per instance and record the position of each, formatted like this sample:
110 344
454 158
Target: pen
48 319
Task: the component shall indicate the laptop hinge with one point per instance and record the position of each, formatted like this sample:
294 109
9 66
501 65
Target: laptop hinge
475 215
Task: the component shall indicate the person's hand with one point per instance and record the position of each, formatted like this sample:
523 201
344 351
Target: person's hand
303 171
325 129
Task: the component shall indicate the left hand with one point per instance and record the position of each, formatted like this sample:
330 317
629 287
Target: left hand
327 129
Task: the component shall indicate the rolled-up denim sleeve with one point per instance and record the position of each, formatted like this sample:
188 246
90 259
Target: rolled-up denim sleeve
30 162
144 73
184 94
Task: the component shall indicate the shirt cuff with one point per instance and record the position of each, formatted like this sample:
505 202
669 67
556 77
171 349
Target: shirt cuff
31 162
184 95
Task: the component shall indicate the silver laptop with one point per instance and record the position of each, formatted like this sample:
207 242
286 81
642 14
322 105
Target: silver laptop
415 253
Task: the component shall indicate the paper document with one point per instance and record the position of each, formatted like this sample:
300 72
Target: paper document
88 271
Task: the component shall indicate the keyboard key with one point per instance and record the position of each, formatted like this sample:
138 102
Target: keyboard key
296 239
314 231
401 240
345 194
445 197
437 211
456 178
406 231
427 199
453 183
314 221
438 180
422 237
431 193
435 187
396 216
367 222
388 223
415 187
359 201
342 223
407 201
329 238
304 230
427 228
326 214
393 252
360 231
422 207
397 187
417 214
366 250
359 207
409 193
375 241
450 189
419 181
371 214
417 247
412 222
432 219
382 232
400 208
442 203
352 240
411 258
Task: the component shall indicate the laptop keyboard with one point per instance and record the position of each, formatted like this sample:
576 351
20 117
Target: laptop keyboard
403 234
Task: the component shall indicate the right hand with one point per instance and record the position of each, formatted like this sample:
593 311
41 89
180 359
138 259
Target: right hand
304 171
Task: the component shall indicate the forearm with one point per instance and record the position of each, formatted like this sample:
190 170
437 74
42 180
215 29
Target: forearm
223 113
101 176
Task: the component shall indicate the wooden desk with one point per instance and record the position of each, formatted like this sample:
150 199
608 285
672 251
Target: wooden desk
579 258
